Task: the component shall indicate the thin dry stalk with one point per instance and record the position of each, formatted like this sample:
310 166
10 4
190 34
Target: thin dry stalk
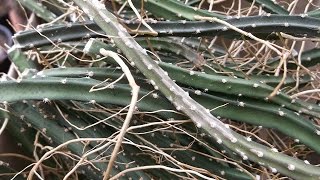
135 91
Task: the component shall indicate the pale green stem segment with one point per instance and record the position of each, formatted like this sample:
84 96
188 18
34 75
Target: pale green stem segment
199 115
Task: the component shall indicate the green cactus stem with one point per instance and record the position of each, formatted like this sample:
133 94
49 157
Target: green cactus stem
198 114
263 26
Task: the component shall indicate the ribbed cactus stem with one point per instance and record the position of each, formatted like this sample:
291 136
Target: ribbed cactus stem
40 10
150 68
198 114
